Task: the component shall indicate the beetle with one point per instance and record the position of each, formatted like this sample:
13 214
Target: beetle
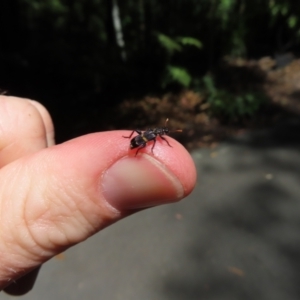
140 141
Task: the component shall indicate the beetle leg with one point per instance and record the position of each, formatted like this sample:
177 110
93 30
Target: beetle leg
138 131
154 141
142 146
165 140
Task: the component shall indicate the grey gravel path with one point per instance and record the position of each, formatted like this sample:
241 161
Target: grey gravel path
236 237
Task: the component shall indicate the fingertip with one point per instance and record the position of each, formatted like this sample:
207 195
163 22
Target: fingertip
176 158
113 147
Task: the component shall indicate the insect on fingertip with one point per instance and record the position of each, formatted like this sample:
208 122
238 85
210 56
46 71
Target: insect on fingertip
140 141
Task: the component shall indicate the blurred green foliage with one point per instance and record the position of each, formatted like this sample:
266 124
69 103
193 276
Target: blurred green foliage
176 74
69 50
231 106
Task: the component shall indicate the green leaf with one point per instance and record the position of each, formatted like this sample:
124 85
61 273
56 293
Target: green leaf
292 21
179 75
190 41
168 44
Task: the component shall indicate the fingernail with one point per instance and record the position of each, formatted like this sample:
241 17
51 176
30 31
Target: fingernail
137 182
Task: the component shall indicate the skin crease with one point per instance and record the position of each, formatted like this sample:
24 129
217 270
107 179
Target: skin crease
52 198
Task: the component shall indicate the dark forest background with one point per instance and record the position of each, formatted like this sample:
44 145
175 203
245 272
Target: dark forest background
107 64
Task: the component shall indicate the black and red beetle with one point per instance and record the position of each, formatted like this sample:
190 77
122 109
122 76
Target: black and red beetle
140 141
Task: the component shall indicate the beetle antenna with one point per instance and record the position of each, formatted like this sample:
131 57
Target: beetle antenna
177 130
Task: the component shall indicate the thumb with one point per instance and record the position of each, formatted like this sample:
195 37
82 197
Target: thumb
61 195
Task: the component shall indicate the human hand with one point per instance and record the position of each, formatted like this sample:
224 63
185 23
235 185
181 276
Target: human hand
53 197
